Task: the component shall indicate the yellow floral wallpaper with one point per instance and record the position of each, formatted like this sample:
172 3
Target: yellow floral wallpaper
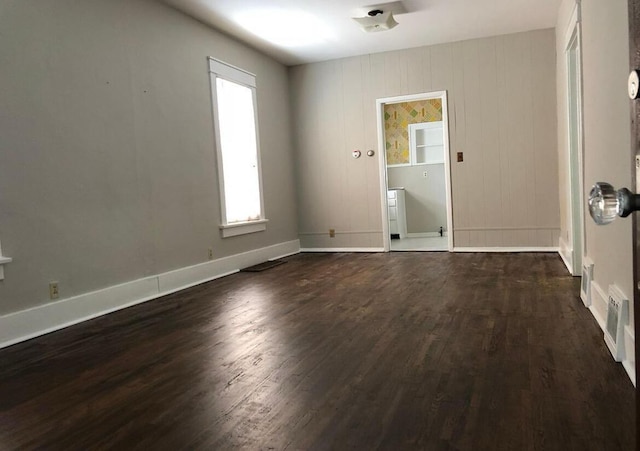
397 117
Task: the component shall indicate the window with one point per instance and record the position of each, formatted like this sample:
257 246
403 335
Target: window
236 128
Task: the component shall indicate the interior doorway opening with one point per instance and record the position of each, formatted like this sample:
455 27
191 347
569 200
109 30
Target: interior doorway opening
415 177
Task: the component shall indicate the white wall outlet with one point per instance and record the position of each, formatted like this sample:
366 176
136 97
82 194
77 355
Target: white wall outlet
53 290
424 173
210 254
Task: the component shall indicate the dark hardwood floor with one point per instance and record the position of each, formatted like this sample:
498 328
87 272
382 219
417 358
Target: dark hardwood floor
398 351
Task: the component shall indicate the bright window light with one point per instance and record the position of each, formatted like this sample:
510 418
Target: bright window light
239 151
283 27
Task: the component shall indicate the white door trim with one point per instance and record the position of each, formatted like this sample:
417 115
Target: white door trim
382 159
573 41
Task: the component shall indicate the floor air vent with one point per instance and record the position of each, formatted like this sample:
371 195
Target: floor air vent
263 266
585 285
617 308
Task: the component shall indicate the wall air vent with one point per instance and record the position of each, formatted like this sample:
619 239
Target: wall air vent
617 312
585 284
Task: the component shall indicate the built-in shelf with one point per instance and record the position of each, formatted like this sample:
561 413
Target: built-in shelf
426 142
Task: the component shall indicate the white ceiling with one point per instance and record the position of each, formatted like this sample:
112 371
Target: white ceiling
426 22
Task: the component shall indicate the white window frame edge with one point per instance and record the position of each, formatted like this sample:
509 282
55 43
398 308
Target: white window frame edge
220 69
3 260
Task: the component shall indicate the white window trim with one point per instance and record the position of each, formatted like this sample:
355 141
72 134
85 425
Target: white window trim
3 261
220 69
242 228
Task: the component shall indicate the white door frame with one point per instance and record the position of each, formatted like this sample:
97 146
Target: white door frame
575 154
382 159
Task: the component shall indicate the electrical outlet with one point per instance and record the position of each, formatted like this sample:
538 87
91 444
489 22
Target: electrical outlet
210 254
332 233
53 290
460 157
424 173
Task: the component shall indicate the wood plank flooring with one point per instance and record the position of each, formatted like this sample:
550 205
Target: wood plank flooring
399 351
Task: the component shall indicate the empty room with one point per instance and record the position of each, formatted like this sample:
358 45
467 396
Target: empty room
318 224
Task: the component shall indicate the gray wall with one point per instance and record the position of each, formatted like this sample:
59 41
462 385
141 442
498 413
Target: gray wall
502 115
107 158
425 197
605 66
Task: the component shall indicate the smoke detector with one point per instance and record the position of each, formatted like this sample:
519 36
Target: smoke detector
376 20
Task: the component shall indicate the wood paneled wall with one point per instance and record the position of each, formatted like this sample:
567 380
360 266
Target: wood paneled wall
107 151
502 115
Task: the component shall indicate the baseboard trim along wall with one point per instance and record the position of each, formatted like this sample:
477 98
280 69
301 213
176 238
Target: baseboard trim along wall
505 249
25 324
342 249
598 306
629 343
598 309
566 254
455 249
427 235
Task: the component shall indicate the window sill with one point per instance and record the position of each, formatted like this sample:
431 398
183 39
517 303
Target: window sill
243 228
3 261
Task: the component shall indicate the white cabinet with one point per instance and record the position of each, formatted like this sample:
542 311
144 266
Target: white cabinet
426 143
397 212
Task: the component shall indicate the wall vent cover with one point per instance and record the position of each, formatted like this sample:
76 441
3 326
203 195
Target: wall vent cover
585 283
617 310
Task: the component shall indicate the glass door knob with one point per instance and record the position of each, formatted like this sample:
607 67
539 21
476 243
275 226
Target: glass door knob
605 203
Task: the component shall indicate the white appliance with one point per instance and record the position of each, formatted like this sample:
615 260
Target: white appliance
397 213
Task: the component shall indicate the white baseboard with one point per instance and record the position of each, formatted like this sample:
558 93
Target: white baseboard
426 235
566 254
599 303
342 249
629 346
286 254
505 249
25 324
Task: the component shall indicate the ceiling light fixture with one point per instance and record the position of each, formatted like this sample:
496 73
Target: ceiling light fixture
376 20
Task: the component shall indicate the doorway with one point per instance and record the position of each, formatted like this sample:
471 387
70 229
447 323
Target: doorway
574 106
415 177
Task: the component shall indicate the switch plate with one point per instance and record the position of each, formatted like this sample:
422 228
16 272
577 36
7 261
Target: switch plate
53 290
332 233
